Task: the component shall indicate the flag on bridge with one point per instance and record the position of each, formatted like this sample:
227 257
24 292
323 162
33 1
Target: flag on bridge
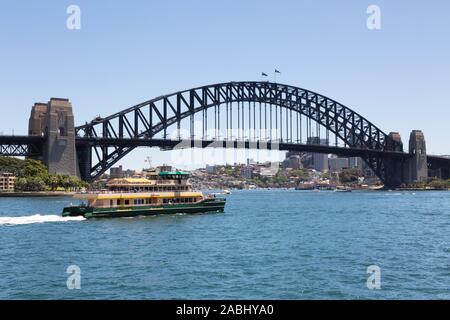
263 74
276 71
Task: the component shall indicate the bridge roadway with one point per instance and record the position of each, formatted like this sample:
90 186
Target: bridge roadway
236 144
21 145
167 144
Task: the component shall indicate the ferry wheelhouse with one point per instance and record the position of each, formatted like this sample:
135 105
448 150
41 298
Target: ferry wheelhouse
159 193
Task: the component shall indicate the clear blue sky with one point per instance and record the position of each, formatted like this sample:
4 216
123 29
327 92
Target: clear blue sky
127 52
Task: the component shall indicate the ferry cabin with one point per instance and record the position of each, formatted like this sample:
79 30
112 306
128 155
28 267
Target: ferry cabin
158 189
162 182
118 200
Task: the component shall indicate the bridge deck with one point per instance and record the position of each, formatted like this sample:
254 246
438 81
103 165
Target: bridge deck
236 144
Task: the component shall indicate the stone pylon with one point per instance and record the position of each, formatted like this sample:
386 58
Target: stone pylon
54 120
417 164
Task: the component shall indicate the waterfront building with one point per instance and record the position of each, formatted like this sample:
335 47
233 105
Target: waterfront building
211 169
247 172
267 172
116 172
7 181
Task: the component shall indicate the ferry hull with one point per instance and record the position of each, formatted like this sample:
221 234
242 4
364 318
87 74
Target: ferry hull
207 205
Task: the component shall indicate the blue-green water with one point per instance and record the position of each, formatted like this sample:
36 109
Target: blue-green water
269 244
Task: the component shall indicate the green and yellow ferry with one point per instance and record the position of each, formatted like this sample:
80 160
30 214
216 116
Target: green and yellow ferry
159 193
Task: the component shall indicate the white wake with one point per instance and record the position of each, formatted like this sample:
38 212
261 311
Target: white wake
37 218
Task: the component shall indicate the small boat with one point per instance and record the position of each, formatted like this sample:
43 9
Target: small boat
162 193
226 191
343 189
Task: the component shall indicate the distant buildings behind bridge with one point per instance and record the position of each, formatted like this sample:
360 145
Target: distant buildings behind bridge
323 162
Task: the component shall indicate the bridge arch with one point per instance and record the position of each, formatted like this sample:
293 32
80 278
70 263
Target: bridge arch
150 118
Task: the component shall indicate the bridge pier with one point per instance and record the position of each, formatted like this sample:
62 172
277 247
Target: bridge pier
54 120
406 171
84 157
394 168
417 169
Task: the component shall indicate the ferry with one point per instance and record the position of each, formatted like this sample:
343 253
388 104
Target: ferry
160 193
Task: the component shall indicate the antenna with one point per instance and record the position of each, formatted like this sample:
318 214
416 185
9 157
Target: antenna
149 161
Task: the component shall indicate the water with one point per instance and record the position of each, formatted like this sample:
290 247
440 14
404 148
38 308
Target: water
269 244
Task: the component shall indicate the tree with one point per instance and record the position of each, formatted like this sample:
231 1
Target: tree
350 175
35 168
32 175
52 181
11 165
33 184
74 183
63 182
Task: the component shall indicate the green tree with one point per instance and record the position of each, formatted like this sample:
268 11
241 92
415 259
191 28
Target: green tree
52 181
350 175
30 184
74 183
63 182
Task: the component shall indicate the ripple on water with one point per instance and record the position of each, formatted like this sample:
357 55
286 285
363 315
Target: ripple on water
269 244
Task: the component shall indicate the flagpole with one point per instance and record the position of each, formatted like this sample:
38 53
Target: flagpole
275 74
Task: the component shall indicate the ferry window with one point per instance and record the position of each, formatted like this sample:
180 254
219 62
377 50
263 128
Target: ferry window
127 202
111 203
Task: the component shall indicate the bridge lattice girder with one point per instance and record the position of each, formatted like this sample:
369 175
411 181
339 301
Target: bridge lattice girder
149 118
21 146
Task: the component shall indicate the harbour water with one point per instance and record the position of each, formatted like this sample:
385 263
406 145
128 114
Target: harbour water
269 244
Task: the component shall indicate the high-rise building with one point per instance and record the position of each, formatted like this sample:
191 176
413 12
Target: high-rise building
293 162
319 161
355 162
338 164
116 172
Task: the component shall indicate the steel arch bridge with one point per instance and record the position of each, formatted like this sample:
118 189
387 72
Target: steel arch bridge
237 114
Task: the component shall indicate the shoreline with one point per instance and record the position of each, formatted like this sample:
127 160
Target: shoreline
36 194
49 194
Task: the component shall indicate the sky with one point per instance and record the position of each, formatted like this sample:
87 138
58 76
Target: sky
398 77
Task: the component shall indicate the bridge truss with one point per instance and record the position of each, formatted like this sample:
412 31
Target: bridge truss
21 146
233 111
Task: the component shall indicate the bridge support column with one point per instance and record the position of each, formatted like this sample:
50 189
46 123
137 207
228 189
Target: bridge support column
417 169
55 121
84 156
394 168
